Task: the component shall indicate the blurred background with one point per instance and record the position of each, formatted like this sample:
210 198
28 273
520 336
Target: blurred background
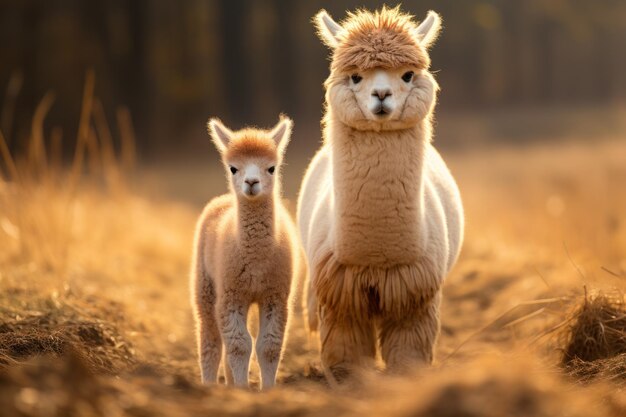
174 64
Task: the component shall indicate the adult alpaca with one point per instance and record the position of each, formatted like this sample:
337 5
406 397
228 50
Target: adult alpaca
379 213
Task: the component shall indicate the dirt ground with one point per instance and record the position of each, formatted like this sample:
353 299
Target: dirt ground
95 317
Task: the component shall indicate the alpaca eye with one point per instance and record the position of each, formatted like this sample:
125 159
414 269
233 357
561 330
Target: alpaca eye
408 76
271 170
233 170
356 78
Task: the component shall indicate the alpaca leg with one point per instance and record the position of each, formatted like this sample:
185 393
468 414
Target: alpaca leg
228 373
311 319
208 335
410 340
269 344
210 347
237 342
310 308
347 342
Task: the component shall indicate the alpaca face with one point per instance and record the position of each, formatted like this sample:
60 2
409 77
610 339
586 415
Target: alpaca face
383 99
252 157
252 178
380 78
381 94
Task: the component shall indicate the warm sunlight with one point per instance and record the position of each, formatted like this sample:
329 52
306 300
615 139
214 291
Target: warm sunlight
450 240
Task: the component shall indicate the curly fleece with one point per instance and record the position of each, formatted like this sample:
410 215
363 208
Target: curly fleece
382 39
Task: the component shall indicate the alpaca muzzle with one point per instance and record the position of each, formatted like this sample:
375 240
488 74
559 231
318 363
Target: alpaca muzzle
381 109
251 187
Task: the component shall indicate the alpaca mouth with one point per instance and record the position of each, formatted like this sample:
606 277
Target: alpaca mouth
251 191
381 111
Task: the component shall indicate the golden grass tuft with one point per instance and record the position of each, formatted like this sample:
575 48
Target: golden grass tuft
40 194
94 151
595 342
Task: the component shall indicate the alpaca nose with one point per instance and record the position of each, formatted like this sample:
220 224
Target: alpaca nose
251 182
381 93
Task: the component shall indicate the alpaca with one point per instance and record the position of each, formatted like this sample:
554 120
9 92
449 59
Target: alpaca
379 213
246 251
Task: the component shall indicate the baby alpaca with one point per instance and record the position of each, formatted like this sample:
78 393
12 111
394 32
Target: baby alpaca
246 252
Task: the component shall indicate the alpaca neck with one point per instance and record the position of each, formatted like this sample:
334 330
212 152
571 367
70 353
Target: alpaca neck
255 221
378 191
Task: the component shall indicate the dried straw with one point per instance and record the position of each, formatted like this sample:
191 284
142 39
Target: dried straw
595 342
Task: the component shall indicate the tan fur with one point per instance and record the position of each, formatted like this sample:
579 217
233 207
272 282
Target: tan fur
382 39
380 215
246 252
249 143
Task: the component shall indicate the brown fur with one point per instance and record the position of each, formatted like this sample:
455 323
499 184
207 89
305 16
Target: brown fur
251 143
381 39
370 291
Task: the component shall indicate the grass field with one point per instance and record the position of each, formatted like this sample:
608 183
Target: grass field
94 300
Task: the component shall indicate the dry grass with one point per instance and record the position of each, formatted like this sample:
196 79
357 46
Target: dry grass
94 304
56 329
594 344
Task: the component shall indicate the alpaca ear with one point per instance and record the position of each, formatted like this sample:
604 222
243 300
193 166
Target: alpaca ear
327 29
281 133
220 134
427 32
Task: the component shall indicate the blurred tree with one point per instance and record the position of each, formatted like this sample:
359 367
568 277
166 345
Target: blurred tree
175 63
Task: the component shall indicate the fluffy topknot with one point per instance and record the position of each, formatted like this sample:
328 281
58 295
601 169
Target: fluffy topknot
384 38
251 143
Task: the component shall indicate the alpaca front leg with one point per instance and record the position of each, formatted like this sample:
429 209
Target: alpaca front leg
410 340
269 345
238 344
210 348
208 335
347 342
228 373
